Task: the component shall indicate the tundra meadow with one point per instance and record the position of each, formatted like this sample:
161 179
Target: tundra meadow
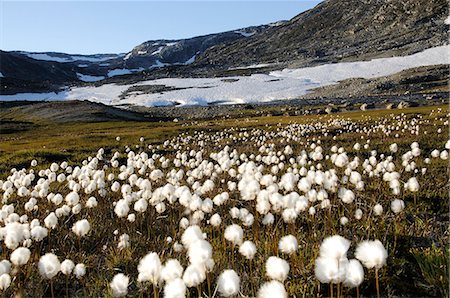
349 204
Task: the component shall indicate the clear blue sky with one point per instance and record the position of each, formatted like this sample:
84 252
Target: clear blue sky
87 27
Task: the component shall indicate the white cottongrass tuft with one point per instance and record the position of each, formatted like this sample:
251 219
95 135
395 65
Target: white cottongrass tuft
228 283
81 228
378 209
200 252
171 270
288 244
234 234
38 233
191 235
194 275
397 206
49 266
124 242
5 267
51 221
412 184
277 268
67 267
91 202
215 220
330 270
79 270
119 285
354 275
175 289
20 256
150 269
248 249
272 289
121 209
5 281
371 253
335 247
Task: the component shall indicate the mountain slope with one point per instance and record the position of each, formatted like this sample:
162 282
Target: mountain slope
20 72
48 71
338 30
155 53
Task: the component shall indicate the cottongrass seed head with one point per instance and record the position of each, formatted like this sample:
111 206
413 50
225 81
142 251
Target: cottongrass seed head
49 266
371 253
119 285
228 283
288 244
175 289
277 268
272 289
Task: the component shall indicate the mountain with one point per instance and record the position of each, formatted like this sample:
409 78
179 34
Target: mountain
156 53
333 31
341 30
47 70
19 73
81 60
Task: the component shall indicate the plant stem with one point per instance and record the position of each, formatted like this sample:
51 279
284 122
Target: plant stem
251 275
155 293
67 286
51 288
377 284
209 284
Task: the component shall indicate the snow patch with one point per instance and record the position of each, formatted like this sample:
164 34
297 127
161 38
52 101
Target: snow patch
276 24
46 57
332 73
284 84
128 56
190 60
158 64
245 34
89 78
251 66
36 96
118 72
157 51
1 75
168 44
92 59
124 71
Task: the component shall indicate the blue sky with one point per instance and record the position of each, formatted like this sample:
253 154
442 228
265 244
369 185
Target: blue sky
87 27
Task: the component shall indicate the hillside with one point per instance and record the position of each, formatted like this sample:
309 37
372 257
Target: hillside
341 30
20 72
65 111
